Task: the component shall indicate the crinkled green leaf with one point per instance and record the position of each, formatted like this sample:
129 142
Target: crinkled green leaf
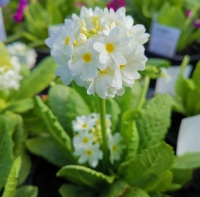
85 176
181 176
164 181
113 110
11 183
19 138
20 105
187 161
56 131
158 194
27 191
152 121
44 147
7 126
116 189
144 169
130 136
136 192
66 104
54 128
38 80
68 190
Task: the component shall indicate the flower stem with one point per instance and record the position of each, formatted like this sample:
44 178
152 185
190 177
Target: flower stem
102 108
143 93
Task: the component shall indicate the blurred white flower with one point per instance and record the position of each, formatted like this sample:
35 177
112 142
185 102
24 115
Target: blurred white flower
83 140
25 55
10 74
92 48
83 123
91 154
116 147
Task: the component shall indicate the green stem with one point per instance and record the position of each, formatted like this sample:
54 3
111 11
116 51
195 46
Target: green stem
102 110
144 92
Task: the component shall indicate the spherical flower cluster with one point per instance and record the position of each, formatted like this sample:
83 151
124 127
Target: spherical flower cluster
25 55
100 49
9 74
86 140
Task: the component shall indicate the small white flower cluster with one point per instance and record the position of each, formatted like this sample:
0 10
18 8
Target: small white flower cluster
9 74
86 140
101 50
25 55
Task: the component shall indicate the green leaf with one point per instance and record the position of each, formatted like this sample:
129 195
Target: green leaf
113 109
27 191
181 176
85 176
136 192
164 181
20 105
187 161
66 104
68 190
11 183
158 194
130 98
144 169
19 138
121 188
6 147
130 135
196 74
44 147
152 124
56 131
39 79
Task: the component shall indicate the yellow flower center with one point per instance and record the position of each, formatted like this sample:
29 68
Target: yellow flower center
121 67
84 125
109 48
67 40
87 57
102 72
114 148
88 152
96 22
85 140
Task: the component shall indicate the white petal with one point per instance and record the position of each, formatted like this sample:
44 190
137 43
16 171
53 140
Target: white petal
103 57
98 46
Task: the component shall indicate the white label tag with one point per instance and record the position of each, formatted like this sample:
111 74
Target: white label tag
2 29
189 135
163 39
53 29
166 84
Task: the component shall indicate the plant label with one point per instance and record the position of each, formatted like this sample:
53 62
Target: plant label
54 28
166 84
189 134
2 28
163 40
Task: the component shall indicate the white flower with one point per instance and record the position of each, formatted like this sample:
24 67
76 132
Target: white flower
10 74
116 147
105 84
83 123
129 71
82 140
113 47
91 48
25 55
87 62
91 154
